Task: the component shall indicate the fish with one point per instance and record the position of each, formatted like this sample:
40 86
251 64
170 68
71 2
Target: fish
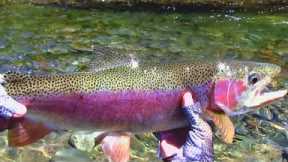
137 98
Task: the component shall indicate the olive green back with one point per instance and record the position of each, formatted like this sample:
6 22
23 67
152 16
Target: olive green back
144 77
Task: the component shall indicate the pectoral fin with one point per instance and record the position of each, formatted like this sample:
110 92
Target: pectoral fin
116 146
25 131
224 125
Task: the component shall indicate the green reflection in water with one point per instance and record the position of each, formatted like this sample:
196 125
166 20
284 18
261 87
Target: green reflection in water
38 38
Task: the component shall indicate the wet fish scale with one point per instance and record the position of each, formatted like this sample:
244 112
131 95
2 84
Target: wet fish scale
122 78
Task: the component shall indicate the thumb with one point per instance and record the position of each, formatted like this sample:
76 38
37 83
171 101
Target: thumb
187 99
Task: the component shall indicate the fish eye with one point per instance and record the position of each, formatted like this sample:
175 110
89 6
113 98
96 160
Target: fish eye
253 78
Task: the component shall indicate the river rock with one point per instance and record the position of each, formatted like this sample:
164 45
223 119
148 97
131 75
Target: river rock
84 141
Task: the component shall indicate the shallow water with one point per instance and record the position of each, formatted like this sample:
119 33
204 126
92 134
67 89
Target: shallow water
52 39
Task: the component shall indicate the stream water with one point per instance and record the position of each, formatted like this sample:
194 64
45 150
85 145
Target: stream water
54 39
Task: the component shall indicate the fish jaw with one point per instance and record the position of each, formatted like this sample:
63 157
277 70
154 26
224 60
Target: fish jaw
236 93
255 97
233 97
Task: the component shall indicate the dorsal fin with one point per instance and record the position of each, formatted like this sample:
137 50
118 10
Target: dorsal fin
107 58
110 57
14 76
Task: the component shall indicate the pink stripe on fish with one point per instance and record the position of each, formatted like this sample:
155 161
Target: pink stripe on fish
130 110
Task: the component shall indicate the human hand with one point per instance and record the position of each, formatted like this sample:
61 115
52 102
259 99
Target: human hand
8 106
191 144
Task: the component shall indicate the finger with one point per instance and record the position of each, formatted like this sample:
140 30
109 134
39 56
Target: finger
5 113
8 104
20 111
187 99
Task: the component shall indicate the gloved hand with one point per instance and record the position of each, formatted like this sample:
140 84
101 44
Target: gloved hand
189 144
8 106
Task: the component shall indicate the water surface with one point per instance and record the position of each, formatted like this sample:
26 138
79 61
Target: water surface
53 40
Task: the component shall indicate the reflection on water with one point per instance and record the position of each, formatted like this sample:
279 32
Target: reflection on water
35 37
50 39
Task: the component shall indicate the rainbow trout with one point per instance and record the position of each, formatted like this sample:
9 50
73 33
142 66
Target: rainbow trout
136 99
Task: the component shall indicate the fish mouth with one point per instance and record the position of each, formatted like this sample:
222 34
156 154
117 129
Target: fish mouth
256 96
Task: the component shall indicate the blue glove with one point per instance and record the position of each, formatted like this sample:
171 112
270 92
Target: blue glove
5 112
8 106
198 145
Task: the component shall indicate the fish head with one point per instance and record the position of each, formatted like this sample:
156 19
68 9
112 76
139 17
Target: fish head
242 86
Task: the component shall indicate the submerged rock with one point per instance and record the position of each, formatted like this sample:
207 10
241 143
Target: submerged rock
246 150
84 141
32 155
71 155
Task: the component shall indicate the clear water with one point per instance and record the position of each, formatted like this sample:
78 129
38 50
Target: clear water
52 39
